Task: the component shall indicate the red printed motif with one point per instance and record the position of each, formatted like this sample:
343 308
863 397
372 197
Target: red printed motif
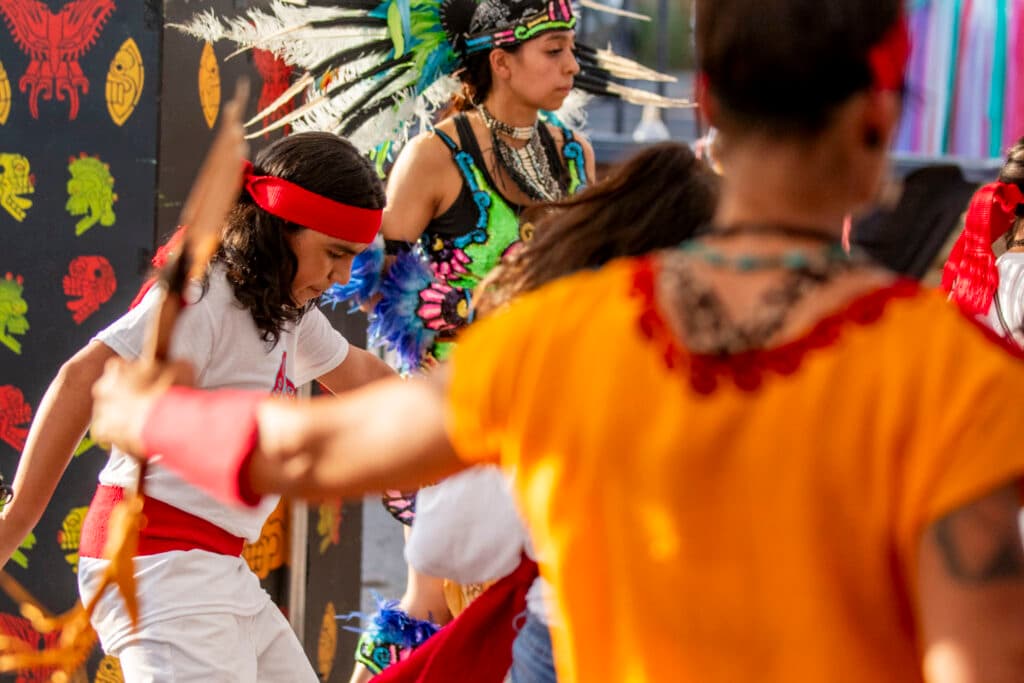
276 75
21 630
13 413
92 279
54 43
282 385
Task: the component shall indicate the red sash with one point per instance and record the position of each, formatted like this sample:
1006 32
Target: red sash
167 528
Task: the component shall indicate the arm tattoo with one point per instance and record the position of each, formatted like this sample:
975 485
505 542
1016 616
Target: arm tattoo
981 542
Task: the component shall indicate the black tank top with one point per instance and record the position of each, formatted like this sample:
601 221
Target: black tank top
461 216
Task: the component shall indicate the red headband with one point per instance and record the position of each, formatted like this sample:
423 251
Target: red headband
970 275
888 58
294 204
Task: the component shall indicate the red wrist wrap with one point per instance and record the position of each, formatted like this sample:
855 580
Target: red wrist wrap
207 438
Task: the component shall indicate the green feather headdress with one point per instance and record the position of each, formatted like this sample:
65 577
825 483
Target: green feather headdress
371 68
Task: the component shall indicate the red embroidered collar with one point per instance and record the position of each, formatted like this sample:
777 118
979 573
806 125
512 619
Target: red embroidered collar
747 369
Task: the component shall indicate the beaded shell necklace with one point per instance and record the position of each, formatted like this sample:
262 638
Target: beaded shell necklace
528 166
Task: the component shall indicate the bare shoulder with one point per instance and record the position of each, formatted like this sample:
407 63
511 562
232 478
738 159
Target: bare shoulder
426 151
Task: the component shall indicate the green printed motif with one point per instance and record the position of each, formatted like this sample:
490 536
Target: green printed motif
20 558
84 445
90 193
12 312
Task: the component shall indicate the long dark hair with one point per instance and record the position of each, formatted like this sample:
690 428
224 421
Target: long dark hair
476 79
784 66
258 261
656 199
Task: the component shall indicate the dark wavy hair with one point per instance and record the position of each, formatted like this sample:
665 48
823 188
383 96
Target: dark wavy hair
258 261
476 79
784 66
656 199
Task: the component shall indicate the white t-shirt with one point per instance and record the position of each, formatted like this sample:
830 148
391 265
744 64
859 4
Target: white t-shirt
222 342
1011 296
467 529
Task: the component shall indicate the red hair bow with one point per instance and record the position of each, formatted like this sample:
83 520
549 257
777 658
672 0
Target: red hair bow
970 275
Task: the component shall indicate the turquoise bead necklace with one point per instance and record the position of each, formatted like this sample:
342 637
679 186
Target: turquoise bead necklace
791 259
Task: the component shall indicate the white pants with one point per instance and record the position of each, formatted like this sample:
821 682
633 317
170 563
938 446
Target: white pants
218 648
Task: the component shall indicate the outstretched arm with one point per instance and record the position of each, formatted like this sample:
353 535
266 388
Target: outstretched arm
971 587
390 434
387 435
59 425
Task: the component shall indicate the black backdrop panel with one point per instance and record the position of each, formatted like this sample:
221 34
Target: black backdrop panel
122 140
77 249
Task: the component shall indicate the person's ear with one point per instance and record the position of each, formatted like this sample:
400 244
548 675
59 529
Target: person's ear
881 116
499 60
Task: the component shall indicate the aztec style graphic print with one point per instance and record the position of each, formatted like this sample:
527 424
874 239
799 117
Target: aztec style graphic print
327 643
124 82
15 417
209 84
270 551
70 534
13 310
328 525
21 631
92 280
90 192
5 95
54 44
16 181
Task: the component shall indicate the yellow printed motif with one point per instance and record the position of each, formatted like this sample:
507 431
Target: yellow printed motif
109 671
209 84
5 95
90 192
328 525
70 533
124 82
271 550
16 180
327 645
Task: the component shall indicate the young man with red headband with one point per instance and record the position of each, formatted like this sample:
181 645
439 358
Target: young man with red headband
309 205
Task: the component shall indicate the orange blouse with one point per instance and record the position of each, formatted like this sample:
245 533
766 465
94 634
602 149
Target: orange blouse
748 521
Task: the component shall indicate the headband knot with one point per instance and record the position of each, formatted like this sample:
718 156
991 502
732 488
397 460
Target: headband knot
295 204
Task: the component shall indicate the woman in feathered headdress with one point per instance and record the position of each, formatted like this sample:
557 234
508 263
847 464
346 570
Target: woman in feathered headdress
457 189
456 193
372 68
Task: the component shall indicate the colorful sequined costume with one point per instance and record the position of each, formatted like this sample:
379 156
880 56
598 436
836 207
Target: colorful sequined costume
427 294
426 299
